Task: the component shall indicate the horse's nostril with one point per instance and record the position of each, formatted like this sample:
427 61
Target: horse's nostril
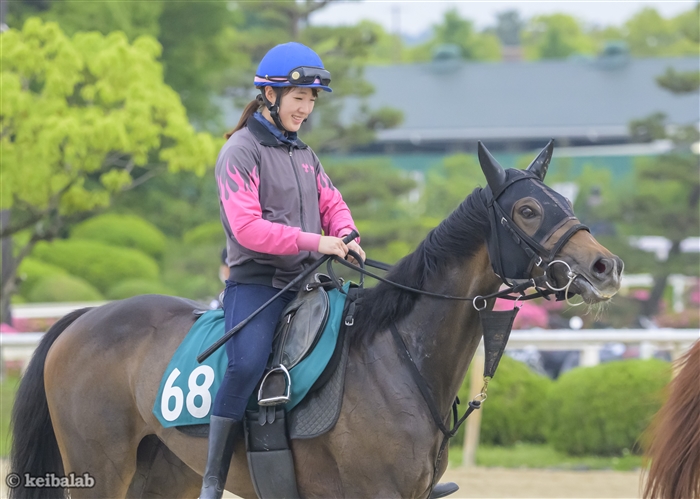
602 266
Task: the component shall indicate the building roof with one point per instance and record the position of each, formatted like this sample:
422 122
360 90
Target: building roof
580 101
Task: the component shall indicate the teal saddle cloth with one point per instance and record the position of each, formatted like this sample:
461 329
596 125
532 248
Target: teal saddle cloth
187 389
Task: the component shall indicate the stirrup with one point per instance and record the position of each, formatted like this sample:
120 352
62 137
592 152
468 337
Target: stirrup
277 399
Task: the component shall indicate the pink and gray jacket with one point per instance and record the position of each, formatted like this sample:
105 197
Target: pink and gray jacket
275 200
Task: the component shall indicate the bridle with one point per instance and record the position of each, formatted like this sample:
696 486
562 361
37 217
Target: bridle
511 239
496 325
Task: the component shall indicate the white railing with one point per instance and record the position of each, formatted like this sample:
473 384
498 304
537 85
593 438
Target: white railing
590 341
49 310
20 346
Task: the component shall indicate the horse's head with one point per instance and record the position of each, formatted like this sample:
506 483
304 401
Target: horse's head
534 231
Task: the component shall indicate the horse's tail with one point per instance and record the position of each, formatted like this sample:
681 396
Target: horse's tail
34 448
674 436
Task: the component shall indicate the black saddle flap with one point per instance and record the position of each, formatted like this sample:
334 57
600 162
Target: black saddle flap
301 325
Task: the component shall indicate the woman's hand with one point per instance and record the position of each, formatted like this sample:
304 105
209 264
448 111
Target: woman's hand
329 245
357 249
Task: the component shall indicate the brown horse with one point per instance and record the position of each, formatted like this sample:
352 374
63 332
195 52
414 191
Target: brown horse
674 436
85 403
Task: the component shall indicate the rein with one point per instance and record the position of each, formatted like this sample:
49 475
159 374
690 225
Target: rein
538 283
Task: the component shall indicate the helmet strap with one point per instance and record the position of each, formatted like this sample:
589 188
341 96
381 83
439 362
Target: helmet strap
274 108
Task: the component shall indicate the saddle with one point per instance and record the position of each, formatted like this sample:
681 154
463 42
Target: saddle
267 433
298 331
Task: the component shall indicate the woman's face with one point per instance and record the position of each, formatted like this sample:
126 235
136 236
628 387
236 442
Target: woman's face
296 106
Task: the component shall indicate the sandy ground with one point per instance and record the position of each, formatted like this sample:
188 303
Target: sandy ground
535 484
500 482
520 483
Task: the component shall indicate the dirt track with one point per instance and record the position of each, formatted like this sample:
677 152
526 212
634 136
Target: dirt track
535 484
500 482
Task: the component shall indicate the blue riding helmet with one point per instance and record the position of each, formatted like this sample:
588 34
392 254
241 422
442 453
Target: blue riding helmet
292 65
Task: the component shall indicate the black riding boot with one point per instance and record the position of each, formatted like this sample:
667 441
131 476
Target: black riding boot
222 435
444 490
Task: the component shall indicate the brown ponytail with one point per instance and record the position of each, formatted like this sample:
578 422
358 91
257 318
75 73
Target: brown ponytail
249 111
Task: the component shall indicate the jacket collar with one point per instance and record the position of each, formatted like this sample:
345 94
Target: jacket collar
267 138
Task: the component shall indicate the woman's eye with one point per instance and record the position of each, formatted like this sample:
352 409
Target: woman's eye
527 212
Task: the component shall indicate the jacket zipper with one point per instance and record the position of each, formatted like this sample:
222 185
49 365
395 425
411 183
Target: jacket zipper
301 199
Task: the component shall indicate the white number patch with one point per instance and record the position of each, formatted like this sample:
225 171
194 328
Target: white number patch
196 390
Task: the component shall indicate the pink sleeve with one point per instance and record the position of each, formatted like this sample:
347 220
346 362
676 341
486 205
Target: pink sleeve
336 219
238 191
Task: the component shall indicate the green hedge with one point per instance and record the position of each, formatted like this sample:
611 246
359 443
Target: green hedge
126 231
134 287
98 263
63 288
31 271
604 409
208 233
515 408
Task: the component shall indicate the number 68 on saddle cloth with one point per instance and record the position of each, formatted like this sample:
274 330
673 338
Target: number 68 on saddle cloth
187 388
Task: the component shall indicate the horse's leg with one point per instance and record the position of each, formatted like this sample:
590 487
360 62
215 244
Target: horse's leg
161 474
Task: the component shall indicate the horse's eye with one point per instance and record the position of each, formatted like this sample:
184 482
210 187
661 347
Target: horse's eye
527 212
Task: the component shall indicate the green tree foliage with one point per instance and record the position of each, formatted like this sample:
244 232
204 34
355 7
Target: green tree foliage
509 27
666 200
446 187
99 264
125 231
555 36
343 49
134 287
31 271
175 203
63 288
207 233
192 270
134 19
650 35
459 32
198 40
80 116
201 51
583 415
380 199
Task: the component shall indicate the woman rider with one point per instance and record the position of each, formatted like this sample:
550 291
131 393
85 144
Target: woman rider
275 201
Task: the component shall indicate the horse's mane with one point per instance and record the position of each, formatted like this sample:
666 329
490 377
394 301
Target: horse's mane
674 448
458 236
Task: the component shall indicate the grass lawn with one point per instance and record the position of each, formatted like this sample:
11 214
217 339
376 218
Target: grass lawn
544 456
8 387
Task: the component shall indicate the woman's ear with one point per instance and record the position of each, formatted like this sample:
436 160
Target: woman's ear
270 94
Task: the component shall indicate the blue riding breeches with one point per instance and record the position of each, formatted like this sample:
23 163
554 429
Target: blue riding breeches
249 349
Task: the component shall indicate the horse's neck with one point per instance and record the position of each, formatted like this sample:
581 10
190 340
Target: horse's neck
442 335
